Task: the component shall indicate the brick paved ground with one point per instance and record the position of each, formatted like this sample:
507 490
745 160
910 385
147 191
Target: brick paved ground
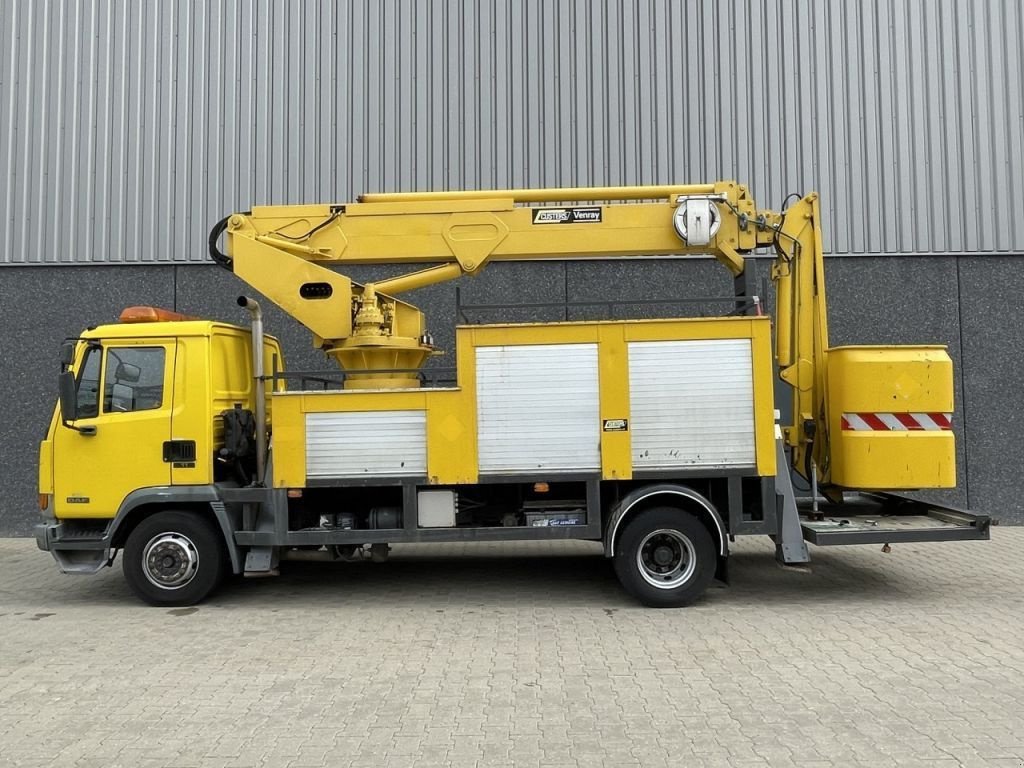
525 658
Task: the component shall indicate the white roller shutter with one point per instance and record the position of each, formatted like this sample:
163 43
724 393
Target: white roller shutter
537 408
366 444
691 403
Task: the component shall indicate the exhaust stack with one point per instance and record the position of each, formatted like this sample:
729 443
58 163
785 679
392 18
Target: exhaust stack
260 390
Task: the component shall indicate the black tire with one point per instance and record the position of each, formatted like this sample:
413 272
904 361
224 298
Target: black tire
665 557
185 554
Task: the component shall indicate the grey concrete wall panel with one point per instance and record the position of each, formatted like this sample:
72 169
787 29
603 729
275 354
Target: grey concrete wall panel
992 328
40 308
681 288
538 290
134 126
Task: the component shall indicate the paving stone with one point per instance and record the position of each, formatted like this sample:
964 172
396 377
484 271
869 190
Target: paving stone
524 655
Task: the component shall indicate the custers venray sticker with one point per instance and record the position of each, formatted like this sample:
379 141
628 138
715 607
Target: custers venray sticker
586 215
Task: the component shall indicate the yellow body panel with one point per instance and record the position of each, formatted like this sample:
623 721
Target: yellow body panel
890 380
289 442
451 413
190 411
613 362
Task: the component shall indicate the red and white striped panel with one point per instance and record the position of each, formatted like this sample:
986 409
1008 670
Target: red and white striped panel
897 422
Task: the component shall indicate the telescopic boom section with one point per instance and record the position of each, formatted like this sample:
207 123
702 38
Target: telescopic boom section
291 253
801 328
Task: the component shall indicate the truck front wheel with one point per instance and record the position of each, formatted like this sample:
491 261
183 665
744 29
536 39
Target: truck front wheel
173 558
665 558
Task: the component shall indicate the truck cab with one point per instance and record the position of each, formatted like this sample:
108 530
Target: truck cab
145 420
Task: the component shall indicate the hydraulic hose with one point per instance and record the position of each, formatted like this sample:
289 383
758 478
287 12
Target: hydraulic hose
221 258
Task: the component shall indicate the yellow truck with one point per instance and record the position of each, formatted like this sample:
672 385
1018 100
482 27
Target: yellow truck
187 446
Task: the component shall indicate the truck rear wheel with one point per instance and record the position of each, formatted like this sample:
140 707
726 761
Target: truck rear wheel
173 558
665 558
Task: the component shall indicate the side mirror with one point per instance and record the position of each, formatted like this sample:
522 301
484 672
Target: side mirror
67 353
68 396
127 372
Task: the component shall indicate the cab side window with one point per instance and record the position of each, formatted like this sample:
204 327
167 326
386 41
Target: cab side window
89 384
133 379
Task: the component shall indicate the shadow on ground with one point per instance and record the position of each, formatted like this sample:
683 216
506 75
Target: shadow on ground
550 579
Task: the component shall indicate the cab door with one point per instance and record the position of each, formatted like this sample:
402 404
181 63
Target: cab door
124 414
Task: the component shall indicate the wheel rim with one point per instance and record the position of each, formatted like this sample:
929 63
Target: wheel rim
666 558
170 560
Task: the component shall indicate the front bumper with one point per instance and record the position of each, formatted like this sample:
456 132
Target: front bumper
75 550
43 535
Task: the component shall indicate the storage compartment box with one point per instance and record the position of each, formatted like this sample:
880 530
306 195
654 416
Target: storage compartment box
437 509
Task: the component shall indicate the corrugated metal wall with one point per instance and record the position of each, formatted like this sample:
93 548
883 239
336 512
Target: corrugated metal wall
132 127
